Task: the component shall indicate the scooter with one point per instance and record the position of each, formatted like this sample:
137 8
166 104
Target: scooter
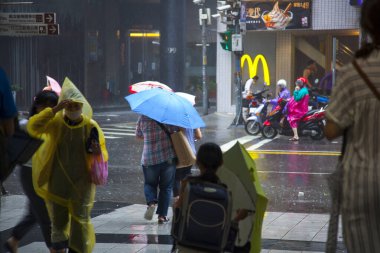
317 101
257 113
311 124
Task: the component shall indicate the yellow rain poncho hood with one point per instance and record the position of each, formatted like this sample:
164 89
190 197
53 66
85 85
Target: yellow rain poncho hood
61 167
69 91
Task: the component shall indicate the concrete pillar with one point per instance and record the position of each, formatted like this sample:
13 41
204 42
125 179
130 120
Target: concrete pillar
225 96
172 43
285 50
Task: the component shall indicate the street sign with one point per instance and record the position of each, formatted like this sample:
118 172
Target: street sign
237 43
28 29
30 18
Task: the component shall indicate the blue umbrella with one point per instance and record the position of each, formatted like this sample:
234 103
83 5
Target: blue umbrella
165 107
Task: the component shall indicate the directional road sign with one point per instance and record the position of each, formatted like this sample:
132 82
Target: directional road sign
28 29
30 18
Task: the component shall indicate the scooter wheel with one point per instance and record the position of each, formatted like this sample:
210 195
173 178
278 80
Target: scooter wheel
318 135
269 132
252 127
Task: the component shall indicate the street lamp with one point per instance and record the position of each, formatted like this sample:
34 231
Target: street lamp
204 20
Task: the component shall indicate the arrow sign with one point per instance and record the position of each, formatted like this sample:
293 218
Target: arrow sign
28 30
53 29
49 18
26 17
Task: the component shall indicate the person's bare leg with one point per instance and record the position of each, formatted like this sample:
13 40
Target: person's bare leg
295 135
12 243
245 113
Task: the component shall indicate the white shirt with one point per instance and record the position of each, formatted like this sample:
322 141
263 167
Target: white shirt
248 87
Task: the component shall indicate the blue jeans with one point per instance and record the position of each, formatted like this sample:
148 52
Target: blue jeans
159 176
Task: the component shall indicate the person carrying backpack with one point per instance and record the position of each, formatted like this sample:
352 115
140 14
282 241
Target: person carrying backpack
209 159
208 202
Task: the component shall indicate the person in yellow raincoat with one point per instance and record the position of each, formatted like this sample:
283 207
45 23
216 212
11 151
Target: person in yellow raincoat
63 178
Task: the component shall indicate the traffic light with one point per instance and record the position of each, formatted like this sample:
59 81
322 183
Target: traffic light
226 40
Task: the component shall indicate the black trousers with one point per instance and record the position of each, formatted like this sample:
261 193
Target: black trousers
36 210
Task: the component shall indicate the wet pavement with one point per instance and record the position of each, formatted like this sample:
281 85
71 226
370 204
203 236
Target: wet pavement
293 175
122 229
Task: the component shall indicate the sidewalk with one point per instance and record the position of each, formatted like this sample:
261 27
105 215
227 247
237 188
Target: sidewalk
125 230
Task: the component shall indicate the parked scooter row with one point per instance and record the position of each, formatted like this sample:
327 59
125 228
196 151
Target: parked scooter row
311 124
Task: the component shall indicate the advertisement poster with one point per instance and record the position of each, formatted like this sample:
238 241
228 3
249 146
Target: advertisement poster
276 15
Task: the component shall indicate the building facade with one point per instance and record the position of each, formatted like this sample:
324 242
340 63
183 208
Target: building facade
106 45
330 41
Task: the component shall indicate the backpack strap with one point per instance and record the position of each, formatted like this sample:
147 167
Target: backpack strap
366 79
163 128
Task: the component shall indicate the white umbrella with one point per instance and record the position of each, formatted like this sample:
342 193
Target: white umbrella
147 85
188 96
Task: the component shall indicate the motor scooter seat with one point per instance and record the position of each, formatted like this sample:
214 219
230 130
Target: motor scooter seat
310 113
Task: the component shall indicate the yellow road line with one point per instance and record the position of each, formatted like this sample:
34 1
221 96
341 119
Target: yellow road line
255 153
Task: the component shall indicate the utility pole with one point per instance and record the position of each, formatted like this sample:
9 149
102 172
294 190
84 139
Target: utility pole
204 20
238 120
237 48
204 64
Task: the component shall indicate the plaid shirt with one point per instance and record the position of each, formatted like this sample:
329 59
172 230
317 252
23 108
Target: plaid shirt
157 145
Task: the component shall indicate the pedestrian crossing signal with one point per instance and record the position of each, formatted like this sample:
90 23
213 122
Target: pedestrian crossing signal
226 40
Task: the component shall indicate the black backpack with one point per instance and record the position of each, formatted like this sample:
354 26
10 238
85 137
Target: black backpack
203 222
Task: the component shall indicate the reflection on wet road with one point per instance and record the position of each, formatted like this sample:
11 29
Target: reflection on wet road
293 175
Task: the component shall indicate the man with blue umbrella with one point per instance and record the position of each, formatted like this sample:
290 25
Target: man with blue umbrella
160 109
158 164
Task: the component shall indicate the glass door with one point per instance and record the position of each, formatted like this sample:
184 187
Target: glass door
143 55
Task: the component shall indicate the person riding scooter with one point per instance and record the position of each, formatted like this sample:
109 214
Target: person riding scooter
298 106
283 93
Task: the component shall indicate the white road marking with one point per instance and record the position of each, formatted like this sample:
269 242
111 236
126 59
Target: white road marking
259 144
111 137
118 129
116 133
242 140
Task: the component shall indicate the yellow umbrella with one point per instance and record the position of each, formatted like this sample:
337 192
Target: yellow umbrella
239 174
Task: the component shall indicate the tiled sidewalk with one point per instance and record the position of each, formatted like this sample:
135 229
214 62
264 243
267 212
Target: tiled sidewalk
125 230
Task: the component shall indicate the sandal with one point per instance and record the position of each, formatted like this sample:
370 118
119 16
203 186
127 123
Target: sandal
293 139
162 219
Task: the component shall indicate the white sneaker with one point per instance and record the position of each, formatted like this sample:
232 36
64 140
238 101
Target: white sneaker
149 212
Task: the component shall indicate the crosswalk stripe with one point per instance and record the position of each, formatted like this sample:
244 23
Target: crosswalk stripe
126 129
242 140
116 133
112 137
259 144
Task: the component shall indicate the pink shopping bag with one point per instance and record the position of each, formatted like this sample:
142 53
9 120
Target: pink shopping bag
99 170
